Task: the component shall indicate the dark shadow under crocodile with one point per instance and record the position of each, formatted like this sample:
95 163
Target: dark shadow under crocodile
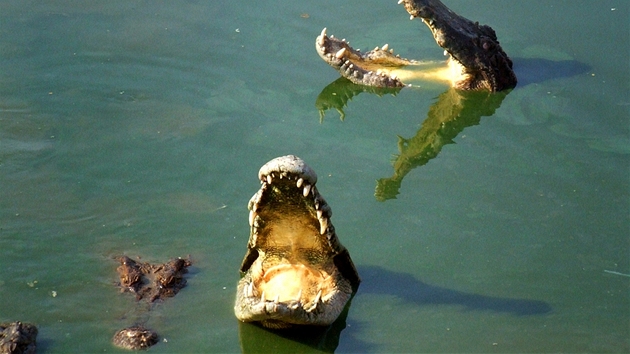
476 60
379 281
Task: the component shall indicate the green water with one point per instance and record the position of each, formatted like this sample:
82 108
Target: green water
137 128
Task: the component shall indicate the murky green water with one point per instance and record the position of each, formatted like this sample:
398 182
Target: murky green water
137 128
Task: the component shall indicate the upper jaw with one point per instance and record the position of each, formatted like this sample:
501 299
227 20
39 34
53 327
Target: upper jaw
474 47
291 172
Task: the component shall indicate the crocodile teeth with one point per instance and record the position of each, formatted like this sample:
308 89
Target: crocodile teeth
411 17
269 179
299 295
323 225
318 297
252 216
250 290
319 213
262 296
322 36
399 2
299 182
377 48
385 47
277 299
391 51
445 52
340 54
307 190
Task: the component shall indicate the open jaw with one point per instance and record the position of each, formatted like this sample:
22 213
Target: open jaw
295 271
476 60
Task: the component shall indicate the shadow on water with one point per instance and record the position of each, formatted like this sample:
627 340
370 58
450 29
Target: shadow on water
537 70
379 281
453 111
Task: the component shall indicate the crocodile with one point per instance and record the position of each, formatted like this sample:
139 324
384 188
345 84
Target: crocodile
295 271
475 61
152 283
18 338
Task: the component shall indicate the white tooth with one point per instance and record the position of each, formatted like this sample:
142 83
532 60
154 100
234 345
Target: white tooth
391 51
250 290
277 299
385 47
321 38
411 17
262 296
319 214
252 215
318 297
399 2
445 52
376 48
332 36
323 225
269 179
307 190
300 182
299 297
340 53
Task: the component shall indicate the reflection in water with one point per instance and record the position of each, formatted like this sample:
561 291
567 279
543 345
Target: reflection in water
300 339
453 111
337 94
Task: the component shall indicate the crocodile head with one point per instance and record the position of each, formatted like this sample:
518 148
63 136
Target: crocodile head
474 52
295 271
476 60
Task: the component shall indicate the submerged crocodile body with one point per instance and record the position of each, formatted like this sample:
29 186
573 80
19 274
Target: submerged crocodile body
295 271
476 60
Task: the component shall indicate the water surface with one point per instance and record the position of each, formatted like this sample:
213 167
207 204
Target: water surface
137 128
